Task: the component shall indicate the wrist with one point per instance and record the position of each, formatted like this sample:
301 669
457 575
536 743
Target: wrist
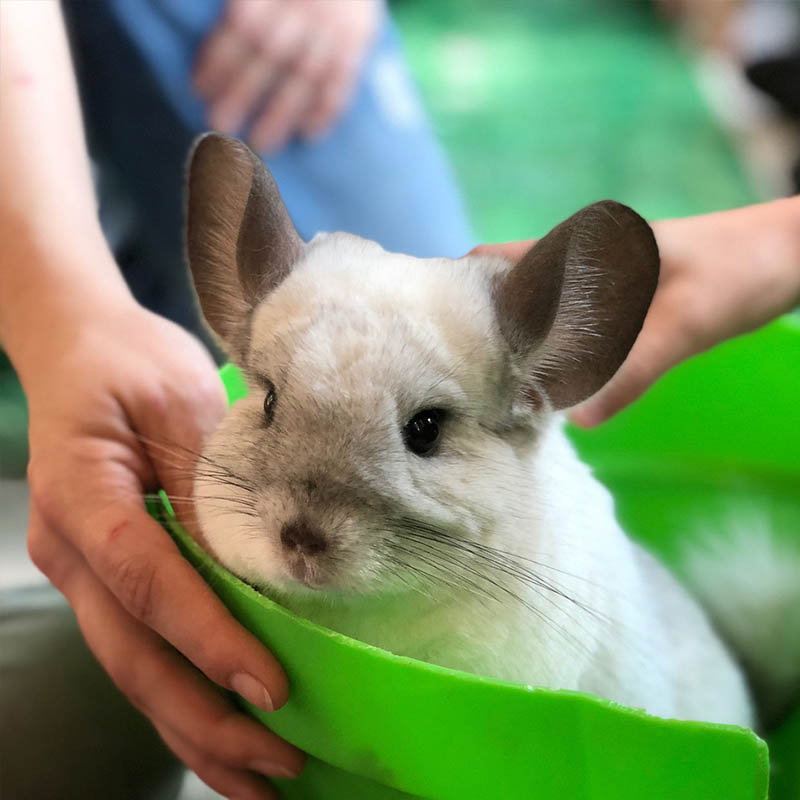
50 290
776 234
789 210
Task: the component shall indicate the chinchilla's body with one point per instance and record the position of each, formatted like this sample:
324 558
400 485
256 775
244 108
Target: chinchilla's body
399 472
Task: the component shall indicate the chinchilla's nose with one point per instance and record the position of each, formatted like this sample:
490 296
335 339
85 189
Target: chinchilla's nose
303 536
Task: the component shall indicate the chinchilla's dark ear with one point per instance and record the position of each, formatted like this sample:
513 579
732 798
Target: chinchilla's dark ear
240 240
573 306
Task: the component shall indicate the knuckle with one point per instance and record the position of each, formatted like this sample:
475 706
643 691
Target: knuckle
155 399
224 735
135 694
244 19
40 486
134 580
309 67
263 44
208 391
40 553
201 654
124 672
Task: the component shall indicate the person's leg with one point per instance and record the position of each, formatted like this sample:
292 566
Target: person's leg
66 731
379 174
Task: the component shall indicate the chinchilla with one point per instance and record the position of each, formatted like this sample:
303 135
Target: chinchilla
399 471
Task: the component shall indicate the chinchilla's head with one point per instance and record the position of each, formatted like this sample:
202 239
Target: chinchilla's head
394 402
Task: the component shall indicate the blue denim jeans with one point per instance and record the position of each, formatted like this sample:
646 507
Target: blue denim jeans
379 173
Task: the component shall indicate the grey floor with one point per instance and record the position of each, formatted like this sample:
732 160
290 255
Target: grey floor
17 570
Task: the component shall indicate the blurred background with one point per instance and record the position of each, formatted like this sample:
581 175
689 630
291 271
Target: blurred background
545 106
673 107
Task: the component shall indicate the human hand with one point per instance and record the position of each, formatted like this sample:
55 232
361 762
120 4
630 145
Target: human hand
283 67
722 275
100 388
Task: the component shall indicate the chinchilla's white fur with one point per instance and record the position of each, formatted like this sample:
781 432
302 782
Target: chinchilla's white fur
748 579
501 554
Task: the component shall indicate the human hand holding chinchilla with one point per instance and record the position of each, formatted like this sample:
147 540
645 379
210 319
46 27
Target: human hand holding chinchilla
722 275
103 377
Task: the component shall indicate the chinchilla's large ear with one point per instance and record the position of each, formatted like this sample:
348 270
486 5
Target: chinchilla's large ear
240 240
573 306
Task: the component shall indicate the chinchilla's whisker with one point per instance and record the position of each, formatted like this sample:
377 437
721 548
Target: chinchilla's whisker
447 558
447 565
508 562
513 562
466 583
218 512
566 635
502 561
220 478
170 446
525 576
414 587
505 563
512 595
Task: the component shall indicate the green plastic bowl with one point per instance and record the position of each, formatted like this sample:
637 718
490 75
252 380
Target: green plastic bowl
720 428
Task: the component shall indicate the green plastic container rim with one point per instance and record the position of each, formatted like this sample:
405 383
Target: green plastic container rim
384 726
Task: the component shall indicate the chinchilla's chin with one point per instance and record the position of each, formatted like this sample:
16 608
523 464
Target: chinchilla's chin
337 590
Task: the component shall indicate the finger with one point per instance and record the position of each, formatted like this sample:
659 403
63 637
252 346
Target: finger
660 345
513 251
221 57
272 43
279 118
141 566
630 382
165 687
332 97
57 563
239 35
244 88
228 782
174 429
332 76
282 39
327 105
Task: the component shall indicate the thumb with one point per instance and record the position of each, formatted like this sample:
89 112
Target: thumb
660 345
632 379
175 434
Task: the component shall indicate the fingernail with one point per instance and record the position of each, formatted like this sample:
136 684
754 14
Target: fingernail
272 770
252 690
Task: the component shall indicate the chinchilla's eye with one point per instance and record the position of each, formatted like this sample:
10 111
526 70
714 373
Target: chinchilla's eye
421 432
269 402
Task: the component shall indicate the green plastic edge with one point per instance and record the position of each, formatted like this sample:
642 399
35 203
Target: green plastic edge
654 757
441 734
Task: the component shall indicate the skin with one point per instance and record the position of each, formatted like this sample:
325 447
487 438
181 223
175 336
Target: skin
722 275
100 372
283 68
103 378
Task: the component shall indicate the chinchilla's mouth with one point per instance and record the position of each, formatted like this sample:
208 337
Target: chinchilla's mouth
308 572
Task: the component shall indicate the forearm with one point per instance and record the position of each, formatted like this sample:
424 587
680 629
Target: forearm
769 235
781 241
743 265
53 258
